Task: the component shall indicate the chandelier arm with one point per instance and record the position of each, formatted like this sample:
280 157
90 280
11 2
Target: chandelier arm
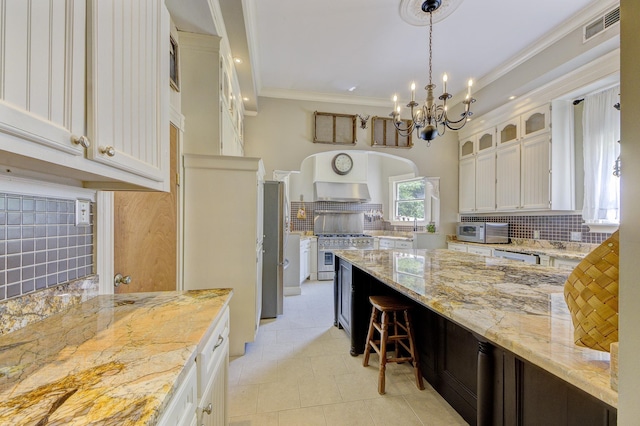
406 131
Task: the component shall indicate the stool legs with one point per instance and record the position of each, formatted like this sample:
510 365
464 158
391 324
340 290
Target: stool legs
399 340
367 349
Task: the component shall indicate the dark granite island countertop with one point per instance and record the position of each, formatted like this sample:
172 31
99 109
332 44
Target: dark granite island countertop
115 359
516 306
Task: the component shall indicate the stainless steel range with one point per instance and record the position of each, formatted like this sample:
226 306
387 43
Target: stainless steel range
338 230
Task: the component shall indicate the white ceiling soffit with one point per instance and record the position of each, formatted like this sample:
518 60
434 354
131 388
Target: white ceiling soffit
319 50
194 16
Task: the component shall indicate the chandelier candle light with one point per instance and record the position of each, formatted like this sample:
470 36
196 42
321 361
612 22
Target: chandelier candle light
431 120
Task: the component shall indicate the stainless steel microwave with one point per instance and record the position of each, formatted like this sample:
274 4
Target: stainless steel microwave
483 232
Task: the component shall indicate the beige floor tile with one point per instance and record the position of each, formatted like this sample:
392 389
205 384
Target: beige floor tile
308 349
277 351
318 391
294 369
433 410
262 419
328 365
355 387
391 411
258 372
278 396
243 400
347 414
313 416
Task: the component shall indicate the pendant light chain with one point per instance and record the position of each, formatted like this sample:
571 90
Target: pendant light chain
430 45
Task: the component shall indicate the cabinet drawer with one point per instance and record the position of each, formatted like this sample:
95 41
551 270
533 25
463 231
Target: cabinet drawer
567 264
207 359
404 244
182 407
457 247
483 251
386 243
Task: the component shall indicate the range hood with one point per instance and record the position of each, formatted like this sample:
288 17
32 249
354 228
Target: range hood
345 192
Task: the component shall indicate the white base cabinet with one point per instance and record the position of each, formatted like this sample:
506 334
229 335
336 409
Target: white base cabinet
223 209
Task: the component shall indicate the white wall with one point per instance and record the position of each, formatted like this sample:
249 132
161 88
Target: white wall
282 133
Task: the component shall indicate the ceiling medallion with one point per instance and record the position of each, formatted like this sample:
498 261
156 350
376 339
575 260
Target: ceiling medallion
411 11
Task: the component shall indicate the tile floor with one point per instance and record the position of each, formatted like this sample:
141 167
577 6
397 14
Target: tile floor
299 372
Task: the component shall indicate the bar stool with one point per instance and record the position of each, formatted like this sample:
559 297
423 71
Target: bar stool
390 306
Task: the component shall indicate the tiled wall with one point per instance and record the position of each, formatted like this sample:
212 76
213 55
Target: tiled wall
553 228
40 245
372 213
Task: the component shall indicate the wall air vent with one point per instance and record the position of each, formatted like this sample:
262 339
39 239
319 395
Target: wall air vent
601 23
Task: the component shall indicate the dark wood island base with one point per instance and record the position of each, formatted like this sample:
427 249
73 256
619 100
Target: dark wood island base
484 383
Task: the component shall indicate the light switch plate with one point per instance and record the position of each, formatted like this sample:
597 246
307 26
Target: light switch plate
83 210
576 236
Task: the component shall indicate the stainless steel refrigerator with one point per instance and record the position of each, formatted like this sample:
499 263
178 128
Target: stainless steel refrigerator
273 260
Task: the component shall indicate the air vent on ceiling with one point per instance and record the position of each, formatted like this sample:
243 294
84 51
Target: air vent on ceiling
602 23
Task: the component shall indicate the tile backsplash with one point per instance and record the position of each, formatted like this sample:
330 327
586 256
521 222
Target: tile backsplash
372 213
553 228
40 245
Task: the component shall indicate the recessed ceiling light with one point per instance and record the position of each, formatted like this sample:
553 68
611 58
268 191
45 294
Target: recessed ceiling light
245 99
237 60
512 97
352 88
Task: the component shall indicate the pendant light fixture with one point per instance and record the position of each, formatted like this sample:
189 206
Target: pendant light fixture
431 119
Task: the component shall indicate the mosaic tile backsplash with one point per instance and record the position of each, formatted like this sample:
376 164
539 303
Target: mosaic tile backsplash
552 228
40 245
372 213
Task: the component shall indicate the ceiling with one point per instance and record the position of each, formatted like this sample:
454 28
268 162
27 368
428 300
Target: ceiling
318 50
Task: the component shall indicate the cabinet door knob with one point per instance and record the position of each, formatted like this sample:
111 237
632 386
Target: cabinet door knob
83 141
120 279
209 409
108 150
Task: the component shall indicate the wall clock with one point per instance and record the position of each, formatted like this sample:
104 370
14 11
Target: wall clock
342 163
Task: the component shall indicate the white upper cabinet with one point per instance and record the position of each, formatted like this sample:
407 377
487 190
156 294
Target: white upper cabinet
486 140
536 172
467 182
535 121
508 178
84 91
128 75
468 147
42 75
486 181
509 131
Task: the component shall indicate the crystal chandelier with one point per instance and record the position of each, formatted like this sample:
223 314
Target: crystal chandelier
431 119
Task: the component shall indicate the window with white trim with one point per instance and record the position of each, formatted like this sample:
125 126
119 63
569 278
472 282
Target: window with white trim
413 199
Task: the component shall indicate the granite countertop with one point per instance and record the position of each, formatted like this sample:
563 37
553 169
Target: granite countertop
111 360
517 306
557 249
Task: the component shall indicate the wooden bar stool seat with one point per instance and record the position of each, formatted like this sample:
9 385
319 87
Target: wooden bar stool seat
402 337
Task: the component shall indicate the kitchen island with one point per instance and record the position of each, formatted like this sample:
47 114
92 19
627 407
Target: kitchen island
494 336
115 359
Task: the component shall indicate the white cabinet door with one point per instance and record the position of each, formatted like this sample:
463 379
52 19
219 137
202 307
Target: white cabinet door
213 408
535 121
509 131
467 185
128 86
536 173
486 181
508 177
467 147
42 73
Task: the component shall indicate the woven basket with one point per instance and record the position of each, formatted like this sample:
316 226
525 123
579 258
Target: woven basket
591 293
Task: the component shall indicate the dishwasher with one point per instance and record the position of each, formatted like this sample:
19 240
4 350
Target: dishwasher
521 257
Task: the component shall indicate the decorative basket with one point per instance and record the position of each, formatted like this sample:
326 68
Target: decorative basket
591 293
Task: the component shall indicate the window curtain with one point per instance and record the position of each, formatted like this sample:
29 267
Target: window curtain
601 125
